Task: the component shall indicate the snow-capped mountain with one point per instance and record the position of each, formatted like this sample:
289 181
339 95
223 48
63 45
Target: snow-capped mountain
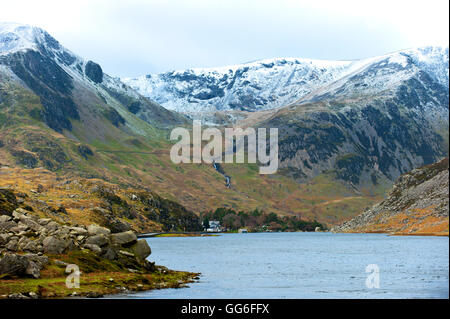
251 86
273 83
67 83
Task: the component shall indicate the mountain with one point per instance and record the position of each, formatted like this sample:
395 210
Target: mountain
65 83
273 83
366 121
370 126
417 204
63 118
252 86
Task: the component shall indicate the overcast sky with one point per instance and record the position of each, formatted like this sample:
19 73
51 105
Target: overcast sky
135 37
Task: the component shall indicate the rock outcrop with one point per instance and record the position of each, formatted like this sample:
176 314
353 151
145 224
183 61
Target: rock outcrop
94 72
27 242
418 204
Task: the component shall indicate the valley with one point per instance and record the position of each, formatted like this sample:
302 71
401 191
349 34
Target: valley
85 158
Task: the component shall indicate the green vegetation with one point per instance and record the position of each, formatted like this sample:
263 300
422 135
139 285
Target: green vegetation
98 277
258 220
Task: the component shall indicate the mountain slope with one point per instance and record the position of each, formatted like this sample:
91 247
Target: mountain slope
388 118
368 121
417 204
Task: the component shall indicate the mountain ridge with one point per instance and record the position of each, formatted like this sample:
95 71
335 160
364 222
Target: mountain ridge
269 83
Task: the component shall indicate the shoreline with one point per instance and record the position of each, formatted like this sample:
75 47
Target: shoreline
431 234
95 284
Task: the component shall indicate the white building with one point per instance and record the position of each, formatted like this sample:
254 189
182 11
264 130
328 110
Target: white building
214 226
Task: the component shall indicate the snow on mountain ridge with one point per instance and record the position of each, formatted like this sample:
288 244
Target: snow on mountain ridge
272 83
16 37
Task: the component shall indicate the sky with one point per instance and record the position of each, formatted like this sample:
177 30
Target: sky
136 37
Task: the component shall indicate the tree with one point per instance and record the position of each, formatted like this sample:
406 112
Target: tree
206 223
272 217
231 221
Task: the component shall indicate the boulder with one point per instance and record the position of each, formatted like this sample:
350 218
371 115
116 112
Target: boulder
117 226
12 244
125 253
109 253
20 211
94 248
29 222
4 218
99 240
3 239
13 265
7 225
31 246
40 261
141 249
94 72
44 221
53 245
33 270
126 238
78 231
51 226
97 230
19 229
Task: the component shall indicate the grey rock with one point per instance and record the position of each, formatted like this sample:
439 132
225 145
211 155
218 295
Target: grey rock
109 253
19 229
12 245
60 263
99 240
33 295
44 221
29 222
14 265
33 270
141 249
52 226
94 248
78 231
125 238
4 218
40 261
7 225
125 253
53 245
98 230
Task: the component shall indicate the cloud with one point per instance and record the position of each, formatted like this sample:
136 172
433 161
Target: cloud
130 38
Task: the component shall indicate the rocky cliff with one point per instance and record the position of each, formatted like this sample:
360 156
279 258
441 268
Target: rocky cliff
418 204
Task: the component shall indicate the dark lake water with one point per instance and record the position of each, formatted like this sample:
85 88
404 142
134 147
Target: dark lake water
305 265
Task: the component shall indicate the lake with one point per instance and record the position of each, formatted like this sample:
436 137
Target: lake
305 265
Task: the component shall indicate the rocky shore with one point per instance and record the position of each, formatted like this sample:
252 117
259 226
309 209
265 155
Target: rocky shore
35 253
417 204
